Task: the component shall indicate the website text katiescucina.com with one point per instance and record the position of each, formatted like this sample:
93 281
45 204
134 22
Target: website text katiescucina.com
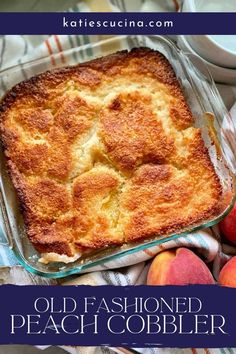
115 24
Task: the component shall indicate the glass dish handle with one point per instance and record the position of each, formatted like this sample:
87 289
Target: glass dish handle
195 62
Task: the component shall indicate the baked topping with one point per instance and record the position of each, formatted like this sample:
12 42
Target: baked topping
105 153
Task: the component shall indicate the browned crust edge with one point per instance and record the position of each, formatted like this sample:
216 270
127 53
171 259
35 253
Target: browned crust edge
35 88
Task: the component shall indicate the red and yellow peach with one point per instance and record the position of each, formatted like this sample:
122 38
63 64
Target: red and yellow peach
227 275
178 266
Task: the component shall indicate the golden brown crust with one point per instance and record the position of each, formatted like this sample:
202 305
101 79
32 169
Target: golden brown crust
132 133
105 153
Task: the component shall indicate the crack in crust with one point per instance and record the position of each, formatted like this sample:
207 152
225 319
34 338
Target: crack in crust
106 152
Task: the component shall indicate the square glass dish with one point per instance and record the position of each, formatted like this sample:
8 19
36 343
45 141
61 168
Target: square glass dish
210 115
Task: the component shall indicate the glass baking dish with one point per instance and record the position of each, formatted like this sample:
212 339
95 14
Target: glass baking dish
210 114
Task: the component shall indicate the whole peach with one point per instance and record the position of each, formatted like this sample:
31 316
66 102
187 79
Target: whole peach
178 267
228 226
228 273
